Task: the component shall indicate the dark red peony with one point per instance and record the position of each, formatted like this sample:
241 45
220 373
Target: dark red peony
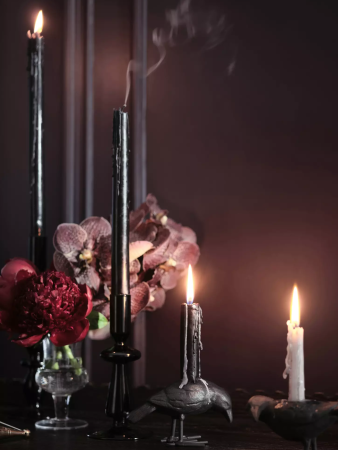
35 305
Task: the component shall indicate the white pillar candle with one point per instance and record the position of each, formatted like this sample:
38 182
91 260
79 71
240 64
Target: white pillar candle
295 353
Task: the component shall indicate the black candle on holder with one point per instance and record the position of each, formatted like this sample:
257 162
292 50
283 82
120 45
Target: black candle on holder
118 402
191 344
37 239
37 247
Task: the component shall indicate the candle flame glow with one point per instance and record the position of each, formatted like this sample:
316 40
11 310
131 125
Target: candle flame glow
190 287
295 311
38 23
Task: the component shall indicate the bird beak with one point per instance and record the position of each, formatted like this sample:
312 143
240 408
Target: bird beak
257 404
230 415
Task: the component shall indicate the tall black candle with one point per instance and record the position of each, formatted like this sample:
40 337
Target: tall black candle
37 238
191 344
37 250
120 207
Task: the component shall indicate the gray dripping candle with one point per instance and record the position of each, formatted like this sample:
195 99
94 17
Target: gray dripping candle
191 344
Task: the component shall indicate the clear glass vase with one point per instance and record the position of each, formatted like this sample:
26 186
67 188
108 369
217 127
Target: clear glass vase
61 375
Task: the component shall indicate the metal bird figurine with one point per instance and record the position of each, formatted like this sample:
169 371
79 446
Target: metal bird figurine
295 421
177 401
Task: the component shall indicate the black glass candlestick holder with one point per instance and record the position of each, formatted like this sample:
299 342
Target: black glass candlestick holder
32 391
295 421
118 400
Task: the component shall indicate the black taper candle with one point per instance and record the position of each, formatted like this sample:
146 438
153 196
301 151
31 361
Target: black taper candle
191 344
118 400
120 206
37 238
37 247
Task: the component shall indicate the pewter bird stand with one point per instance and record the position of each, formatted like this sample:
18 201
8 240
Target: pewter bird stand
295 421
191 395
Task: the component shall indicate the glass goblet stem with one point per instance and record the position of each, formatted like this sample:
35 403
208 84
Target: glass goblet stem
61 406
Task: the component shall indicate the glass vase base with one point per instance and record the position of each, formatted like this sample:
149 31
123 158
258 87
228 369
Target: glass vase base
120 434
60 424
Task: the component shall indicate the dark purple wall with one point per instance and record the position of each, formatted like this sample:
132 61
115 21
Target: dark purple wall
251 163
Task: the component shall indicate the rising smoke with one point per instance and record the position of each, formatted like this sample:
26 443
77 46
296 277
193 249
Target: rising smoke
190 20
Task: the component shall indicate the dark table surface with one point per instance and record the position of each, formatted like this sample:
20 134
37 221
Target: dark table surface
88 404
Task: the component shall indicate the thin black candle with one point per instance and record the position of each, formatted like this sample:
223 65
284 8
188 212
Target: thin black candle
120 209
36 157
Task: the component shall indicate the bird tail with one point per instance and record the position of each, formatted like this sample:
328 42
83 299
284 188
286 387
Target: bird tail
140 413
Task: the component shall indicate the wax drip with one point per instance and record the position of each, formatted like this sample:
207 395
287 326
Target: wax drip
200 345
117 151
207 387
288 360
185 365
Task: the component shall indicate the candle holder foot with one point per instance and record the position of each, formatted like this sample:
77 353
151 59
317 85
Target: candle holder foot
120 433
295 421
174 440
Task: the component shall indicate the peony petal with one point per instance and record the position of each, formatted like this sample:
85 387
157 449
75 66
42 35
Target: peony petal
28 341
185 254
100 334
17 269
15 265
157 299
140 296
95 228
139 248
69 239
170 278
62 264
90 300
78 332
84 305
90 277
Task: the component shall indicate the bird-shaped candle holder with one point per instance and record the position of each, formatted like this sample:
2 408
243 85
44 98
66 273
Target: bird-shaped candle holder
192 395
295 421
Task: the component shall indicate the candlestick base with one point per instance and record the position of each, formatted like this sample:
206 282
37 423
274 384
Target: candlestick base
295 421
178 401
120 433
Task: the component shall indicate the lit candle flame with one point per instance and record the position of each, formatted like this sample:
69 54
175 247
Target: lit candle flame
39 23
190 287
295 312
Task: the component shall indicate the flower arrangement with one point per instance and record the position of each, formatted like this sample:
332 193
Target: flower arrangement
160 253
73 299
34 305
